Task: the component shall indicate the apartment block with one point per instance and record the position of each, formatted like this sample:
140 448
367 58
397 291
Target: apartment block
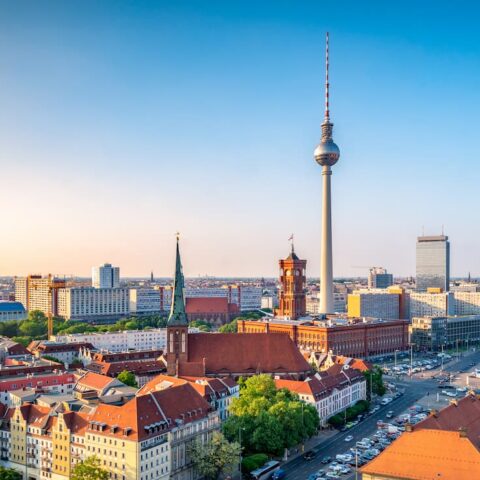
35 292
88 303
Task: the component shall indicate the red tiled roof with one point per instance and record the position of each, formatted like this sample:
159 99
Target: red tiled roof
245 353
77 422
137 367
182 404
427 455
210 305
460 414
95 381
320 386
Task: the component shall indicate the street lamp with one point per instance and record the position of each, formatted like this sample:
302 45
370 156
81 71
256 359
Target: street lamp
240 442
411 359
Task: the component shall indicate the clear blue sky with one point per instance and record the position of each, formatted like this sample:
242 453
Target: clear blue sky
122 122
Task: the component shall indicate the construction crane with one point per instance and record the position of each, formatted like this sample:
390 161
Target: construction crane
50 315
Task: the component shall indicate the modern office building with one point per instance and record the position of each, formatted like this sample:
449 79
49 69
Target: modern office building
433 263
145 301
326 155
379 303
35 292
106 276
430 333
378 277
93 304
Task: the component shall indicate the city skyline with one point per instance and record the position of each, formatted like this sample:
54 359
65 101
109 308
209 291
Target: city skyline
145 120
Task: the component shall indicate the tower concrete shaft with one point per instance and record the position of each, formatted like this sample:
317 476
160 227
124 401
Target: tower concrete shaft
326 154
326 257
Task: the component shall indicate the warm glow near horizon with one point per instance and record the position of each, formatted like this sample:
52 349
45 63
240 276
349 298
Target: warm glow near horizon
121 124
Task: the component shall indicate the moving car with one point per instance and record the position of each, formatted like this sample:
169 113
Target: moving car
279 474
349 438
310 455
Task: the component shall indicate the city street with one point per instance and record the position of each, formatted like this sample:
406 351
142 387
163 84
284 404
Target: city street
415 389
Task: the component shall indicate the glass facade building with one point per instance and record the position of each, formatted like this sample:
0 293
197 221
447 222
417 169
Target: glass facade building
433 263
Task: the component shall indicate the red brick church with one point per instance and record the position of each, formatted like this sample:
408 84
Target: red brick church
225 354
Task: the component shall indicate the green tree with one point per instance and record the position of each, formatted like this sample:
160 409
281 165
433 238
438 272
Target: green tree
35 325
252 462
375 378
52 359
89 469
269 419
36 316
229 327
128 378
9 474
201 325
218 456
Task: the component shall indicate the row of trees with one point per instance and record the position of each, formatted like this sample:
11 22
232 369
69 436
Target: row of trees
269 420
34 327
350 414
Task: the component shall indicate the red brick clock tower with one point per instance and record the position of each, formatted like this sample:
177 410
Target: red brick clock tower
293 284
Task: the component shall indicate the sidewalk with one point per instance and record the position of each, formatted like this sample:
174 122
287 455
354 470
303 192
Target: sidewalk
310 444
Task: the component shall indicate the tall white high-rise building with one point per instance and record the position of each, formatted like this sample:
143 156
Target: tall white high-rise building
326 154
106 276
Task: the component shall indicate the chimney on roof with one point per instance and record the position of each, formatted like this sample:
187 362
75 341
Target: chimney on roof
463 432
408 427
434 413
454 402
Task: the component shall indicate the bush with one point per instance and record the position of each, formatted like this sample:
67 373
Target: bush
352 413
252 462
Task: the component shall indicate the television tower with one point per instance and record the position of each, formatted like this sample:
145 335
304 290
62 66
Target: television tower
326 154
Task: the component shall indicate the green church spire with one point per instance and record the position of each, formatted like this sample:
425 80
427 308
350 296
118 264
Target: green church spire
178 316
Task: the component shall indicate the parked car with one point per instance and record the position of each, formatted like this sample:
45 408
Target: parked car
326 460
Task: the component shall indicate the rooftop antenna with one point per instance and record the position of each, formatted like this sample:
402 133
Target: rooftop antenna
327 85
443 231
423 230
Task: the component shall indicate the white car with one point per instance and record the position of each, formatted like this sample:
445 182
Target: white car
349 438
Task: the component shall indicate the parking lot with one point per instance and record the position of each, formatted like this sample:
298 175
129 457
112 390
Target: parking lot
432 385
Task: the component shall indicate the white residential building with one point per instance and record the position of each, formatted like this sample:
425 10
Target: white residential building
424 304
88 303
467 303
330 394
149 339
106 276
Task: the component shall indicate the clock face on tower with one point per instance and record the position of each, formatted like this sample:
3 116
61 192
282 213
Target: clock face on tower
288 273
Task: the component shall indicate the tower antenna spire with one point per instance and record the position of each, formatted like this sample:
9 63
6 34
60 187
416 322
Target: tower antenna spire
327 85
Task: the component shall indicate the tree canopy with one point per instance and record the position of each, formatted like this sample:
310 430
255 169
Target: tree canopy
268 419
215 457
89 469
128 378
375 377
9 474
229 327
